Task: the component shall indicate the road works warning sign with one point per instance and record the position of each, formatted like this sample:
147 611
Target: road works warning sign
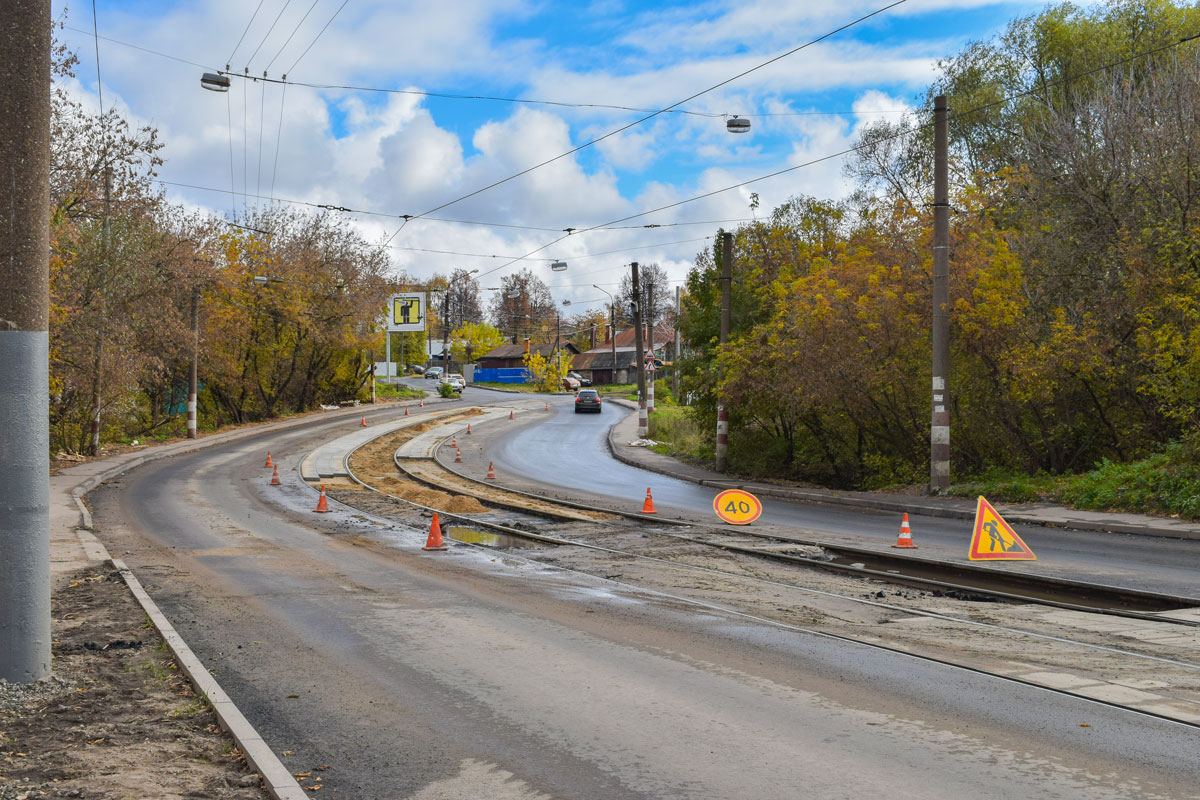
737 507
994 539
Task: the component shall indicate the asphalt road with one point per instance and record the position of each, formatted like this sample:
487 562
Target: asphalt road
464 674
570 451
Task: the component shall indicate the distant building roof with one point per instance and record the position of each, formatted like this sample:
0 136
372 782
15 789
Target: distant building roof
509 351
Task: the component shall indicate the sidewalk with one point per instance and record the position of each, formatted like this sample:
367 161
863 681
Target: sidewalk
625 431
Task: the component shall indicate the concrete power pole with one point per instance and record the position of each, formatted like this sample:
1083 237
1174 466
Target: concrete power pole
25 341
675 351
639 358
192 387
726 290
939 433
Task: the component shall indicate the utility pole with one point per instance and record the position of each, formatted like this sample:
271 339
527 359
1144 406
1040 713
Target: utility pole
192 388
98 363
726 291
25 341
650 336
939 431
643 419
446 334
675 352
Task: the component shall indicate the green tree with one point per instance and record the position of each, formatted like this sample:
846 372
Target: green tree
474 339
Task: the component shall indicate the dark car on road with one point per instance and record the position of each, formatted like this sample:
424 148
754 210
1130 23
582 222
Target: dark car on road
587 400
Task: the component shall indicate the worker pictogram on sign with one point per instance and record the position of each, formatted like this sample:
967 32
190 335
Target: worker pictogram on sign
737 507
994 539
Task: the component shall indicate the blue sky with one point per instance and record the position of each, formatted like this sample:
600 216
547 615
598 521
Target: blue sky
406 154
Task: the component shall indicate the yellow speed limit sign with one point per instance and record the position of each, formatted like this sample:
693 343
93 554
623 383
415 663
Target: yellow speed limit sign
737 507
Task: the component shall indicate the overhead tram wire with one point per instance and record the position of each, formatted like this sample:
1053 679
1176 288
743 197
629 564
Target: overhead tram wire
856 148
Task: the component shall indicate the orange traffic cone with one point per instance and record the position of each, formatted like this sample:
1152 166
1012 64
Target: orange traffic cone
468 427
458 456
491 472
275 478
454 440
434 542
269 463
511 416
322 504
547 406
421 404
904 541
406 411
648 506
363 424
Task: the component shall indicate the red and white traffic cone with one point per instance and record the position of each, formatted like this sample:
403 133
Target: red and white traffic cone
491 472
269 463
322 504
458 456
904 541
363 424
406 411
511 415
547 406
454 440
275 478
648 506
468 427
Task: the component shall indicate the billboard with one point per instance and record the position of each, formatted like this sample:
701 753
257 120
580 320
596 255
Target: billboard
406 312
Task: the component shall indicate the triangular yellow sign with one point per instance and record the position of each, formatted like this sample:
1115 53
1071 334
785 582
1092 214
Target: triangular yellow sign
994 539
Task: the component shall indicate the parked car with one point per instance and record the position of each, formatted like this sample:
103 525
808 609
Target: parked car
456 381
582 380
570 384
433 373
587 400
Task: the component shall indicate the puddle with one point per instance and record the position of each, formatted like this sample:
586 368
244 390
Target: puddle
485 538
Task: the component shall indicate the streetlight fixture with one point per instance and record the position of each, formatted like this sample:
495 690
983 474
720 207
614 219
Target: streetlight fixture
612 330
215 82
736 124
558 266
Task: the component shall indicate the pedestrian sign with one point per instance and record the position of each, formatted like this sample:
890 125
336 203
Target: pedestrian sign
737 507
994 539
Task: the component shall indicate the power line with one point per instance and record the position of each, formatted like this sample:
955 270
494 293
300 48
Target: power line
668 108
96 39
243 36
289 38
284 81
856 148
292 68
268 34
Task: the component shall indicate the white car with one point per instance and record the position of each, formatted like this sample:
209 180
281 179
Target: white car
456 381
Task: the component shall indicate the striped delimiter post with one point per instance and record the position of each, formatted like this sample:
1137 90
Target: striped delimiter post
939 429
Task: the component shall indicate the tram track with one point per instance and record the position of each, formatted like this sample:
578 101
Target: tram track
553 537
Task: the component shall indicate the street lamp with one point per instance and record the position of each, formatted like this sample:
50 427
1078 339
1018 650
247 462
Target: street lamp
558 266
215 82
612 335
736 124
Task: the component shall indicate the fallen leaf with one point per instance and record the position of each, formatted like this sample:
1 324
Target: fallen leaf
1084 725
302 774
292 696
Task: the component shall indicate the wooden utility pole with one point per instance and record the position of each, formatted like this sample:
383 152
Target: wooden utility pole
939 438
643 418
726 290
25 340
675 351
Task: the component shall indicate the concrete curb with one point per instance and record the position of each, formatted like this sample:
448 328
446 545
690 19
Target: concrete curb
1011 514
277 781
